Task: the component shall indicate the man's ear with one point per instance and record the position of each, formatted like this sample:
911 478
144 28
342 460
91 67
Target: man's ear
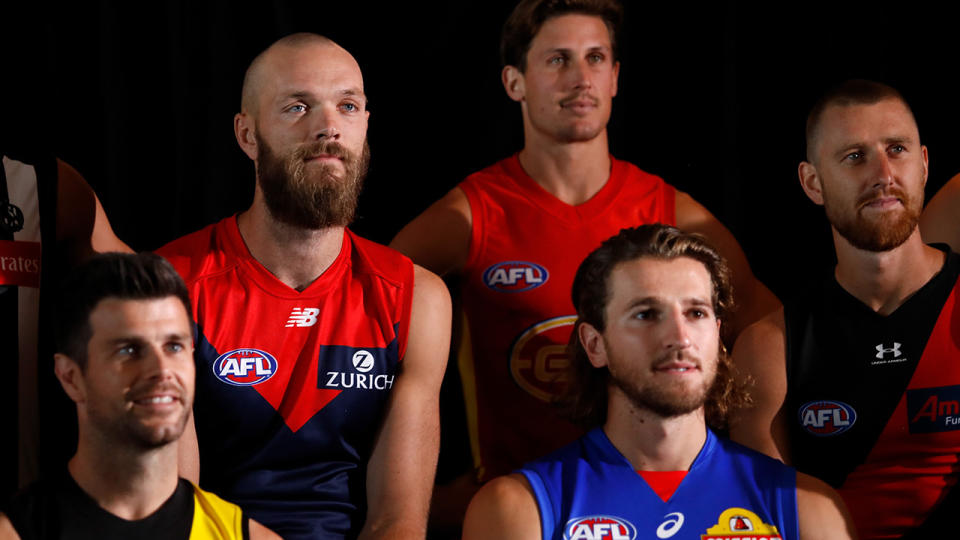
244 128
70 375
810 182
592 342
513 83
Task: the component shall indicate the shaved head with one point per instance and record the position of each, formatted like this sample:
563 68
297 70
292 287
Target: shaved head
254 77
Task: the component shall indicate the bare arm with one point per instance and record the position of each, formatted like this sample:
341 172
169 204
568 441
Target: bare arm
505 509
82 225
821 512
940 221
760 357
404 460
753 298
7 532
439 238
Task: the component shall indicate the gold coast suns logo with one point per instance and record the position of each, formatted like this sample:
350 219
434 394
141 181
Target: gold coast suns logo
538 357
741 524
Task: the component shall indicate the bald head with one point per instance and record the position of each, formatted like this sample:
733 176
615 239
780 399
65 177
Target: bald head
253 80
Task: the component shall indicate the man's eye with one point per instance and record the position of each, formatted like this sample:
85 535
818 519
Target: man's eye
128 350
350 107
556 60
298 108
898 148
698 313
175 347
645 314
595 58
853 156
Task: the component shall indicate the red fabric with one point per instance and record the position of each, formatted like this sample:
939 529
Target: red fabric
663 483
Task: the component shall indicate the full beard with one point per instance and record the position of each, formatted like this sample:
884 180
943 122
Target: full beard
665 401
314 198
877 235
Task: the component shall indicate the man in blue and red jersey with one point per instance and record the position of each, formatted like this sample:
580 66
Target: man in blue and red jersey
648 372
515 231
856 379
320 354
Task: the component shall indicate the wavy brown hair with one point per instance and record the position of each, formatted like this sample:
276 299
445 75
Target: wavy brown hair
585 399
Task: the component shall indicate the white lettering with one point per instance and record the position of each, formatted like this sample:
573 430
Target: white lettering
230 367
810 419
823 415
246 364
837 421
263 368
531 278
332 380
515 274
583 532
499 276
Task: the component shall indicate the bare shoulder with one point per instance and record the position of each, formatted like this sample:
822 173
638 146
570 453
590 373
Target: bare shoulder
260 532
762 345
7 532
821 511
439 238
503 508
940 221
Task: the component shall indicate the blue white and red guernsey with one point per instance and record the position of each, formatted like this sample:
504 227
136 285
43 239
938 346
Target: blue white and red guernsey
292 386
588 490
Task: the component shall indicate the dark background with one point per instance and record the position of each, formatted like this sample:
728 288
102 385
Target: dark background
139 97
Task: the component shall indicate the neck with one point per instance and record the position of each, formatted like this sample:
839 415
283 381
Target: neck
651 442
572 172
296 256
883 281
127 482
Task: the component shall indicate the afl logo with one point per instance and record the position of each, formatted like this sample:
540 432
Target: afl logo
599 528
245 367
515 276
825 418
362 361
538 357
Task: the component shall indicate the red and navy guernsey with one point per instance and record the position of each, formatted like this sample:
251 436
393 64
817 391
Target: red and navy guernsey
292 386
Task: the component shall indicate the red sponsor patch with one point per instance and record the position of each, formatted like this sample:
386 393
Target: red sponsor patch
20 263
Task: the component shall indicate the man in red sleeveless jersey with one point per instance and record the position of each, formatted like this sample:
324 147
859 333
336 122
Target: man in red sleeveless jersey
515 231
856 378
320 353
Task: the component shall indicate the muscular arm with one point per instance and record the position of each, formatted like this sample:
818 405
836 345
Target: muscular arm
940 221
404 460
505 509
821 512
7 532
753 298
759 355
439 238
82 225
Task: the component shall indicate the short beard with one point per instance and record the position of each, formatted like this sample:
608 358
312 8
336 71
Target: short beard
659 399
124 431
311 200
883 234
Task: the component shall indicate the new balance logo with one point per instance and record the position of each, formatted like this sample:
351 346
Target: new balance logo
882 351
303 317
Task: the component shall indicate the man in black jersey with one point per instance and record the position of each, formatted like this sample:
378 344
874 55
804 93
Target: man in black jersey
125 357
854 380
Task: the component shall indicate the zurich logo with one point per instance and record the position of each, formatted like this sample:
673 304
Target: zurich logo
515 276
824 418
245 367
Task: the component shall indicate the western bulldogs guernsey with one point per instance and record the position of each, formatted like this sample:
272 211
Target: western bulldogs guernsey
873 402
589 490
525 248
292 386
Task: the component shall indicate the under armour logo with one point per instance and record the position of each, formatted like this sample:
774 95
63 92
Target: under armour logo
882 351
303 317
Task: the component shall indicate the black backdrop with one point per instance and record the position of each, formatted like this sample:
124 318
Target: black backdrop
140 98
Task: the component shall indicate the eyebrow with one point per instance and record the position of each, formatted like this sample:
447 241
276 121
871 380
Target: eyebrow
347 92
897 139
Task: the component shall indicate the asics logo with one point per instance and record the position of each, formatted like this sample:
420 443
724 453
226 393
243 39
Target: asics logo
302 317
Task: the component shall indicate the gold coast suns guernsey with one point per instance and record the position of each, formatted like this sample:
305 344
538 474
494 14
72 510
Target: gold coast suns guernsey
292 386
525 248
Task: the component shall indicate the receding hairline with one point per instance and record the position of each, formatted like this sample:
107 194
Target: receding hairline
252 81
850 93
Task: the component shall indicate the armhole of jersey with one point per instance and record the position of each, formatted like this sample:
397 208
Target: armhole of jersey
406 307
476 223
669 204
245 528
544 503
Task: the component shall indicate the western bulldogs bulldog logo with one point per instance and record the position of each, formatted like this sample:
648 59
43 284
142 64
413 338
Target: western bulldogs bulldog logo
741 524
245 367
515 276
599 528
826 417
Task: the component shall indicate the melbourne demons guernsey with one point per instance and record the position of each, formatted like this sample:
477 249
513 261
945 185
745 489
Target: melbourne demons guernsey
873 402
589 490
525 248
292 386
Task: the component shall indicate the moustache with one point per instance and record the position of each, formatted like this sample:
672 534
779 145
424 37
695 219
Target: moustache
323 147
578 97
876 195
